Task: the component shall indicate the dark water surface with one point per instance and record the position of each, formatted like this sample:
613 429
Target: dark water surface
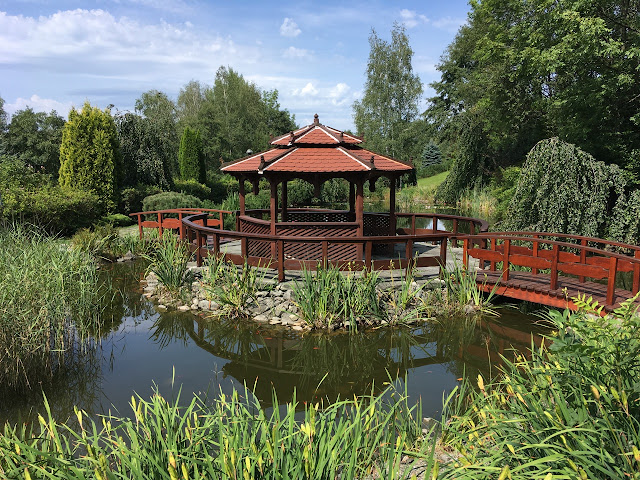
140 348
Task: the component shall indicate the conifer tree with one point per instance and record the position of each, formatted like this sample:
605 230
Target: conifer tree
431 155
190 156
89 154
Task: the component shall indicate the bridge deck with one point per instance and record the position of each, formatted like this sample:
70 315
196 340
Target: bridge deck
535 288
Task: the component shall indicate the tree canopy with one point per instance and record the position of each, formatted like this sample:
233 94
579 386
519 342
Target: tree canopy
89 154
391 94
532 69
34 138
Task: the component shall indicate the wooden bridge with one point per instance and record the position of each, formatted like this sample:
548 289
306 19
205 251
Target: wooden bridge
552 268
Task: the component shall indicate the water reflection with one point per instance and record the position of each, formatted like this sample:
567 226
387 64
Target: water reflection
138 347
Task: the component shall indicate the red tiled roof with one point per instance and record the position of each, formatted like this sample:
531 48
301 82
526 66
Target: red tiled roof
315 148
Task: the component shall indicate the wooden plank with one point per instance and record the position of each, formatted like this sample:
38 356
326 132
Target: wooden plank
485 254
583 270
149 224
173 223
530 261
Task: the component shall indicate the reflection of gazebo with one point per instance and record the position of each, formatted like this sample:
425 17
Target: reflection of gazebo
316 153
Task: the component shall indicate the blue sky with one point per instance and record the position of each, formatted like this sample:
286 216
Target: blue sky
57 54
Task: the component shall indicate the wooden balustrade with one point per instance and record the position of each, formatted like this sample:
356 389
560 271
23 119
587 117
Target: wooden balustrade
569 260
215 218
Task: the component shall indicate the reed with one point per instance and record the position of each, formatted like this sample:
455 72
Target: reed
329 295
234 288
168 261
571 410
463 292
232 438
48 302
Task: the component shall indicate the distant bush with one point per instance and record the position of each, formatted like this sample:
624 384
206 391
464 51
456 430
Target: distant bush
170 200
431 170
117 220
131 198
193 188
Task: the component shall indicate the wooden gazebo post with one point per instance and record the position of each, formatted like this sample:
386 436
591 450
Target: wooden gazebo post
392 207
241 194
284 201
360 206
352 197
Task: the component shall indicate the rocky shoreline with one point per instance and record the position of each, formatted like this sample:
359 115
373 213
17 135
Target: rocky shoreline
274 304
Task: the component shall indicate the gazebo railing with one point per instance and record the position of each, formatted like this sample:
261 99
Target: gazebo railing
172 219
206 241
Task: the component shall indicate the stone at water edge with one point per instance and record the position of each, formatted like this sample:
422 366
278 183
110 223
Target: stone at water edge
184 308
161 307
261 318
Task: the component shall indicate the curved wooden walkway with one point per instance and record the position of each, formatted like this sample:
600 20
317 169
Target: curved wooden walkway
552 269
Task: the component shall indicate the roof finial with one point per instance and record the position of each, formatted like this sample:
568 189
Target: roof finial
261 167
341 137
373 165
316 119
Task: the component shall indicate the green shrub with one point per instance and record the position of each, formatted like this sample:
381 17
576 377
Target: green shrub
190 156
569 410
193 188
48 301
117 220
170 200
131 198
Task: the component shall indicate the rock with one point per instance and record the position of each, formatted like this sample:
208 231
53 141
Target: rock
297 328
277 293
274 321
430 427
287 295
161 307
261 293
261 318
184 308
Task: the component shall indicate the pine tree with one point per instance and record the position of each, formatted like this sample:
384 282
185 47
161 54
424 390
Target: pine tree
431 155
190 156
89 154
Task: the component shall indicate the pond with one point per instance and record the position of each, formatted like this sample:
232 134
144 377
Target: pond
140 347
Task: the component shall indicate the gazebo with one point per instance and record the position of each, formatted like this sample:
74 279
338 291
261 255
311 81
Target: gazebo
316 153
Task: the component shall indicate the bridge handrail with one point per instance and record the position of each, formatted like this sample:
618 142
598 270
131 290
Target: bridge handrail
162 223
579 264
574 237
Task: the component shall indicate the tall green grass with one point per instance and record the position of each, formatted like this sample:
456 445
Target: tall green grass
234 288
48 299
329 295
571 410
232 438
168 261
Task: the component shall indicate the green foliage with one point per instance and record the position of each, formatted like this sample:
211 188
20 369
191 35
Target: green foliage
563 189
234 288
32 198
230 437
535 70
391 94
168 261
190 157
95 242
170 200
131 198
328 295
160 112
625 221
431 155
462 291
193 188
3 122
34 138
48 300
503 187
569 410
90 156
471 164
147 151
117 220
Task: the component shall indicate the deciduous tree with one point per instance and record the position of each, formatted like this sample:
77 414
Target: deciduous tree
190 156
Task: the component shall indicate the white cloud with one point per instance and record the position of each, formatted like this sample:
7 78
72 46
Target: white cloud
299 53
94 41
339 94
307 91
449 24
411 18
289 28
38 105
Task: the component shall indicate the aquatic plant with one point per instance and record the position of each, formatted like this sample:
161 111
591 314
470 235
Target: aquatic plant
234 288
571 410
48 299
329 295
462 290
168 261
232 438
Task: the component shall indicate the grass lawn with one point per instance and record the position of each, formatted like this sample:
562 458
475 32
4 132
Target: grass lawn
432 182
